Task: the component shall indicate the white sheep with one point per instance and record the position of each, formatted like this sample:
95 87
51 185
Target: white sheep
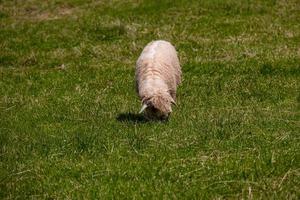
157 76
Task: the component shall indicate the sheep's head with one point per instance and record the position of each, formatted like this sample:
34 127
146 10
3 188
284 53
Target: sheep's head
157 107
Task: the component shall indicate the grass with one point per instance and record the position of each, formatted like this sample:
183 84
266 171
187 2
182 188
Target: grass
68 122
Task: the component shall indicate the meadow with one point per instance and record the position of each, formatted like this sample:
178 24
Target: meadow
69 127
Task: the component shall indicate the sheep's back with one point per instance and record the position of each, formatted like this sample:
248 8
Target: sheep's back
159 60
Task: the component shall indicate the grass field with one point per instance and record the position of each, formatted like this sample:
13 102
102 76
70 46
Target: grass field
68 122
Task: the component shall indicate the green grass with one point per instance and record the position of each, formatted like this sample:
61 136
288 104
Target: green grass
68 123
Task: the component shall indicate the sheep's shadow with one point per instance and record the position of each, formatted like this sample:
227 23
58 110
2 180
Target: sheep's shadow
136 118
132 118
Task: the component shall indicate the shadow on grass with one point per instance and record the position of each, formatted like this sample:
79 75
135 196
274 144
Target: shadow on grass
137 118
132 118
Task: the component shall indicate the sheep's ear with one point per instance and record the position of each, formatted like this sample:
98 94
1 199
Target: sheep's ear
143 108
173 102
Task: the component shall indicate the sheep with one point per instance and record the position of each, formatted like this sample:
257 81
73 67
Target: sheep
157 76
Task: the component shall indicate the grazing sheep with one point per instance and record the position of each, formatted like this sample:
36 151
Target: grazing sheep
157 76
